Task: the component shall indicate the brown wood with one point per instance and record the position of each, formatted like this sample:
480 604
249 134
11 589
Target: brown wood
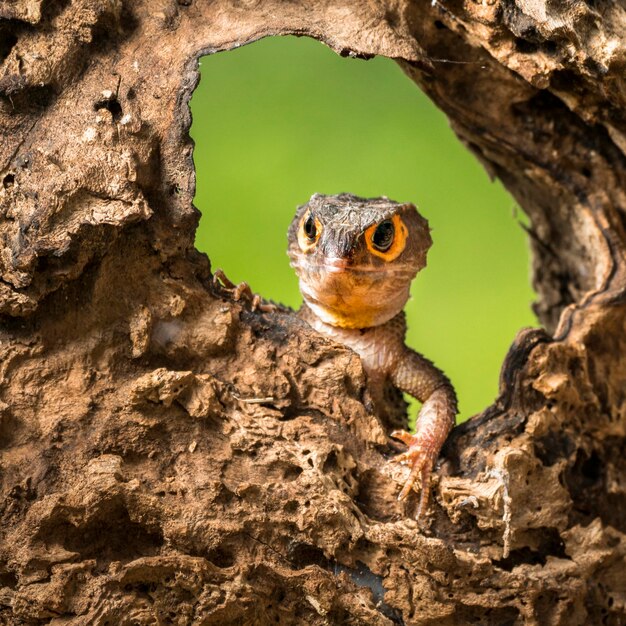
168 454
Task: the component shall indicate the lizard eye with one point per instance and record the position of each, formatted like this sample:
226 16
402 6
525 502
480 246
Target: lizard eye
309 228
382 237
387 239
309 232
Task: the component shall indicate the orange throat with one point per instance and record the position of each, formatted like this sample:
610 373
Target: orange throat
350 300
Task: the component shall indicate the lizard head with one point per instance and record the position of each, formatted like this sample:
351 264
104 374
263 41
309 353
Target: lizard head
356 257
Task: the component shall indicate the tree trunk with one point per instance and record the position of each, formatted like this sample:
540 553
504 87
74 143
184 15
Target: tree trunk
169 456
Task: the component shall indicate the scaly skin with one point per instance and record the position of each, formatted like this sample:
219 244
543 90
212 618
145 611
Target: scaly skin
386 359
354 292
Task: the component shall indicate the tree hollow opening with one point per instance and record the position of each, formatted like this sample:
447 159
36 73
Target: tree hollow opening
283 118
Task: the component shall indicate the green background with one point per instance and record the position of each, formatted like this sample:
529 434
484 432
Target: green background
280 119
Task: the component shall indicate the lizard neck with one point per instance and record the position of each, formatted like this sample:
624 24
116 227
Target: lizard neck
378 346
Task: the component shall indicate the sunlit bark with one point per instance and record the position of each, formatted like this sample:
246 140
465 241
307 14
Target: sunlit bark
168 454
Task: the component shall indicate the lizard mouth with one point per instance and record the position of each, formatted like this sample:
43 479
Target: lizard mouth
340 266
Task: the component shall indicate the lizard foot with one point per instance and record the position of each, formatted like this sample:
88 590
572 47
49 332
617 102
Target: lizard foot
242 291
420 457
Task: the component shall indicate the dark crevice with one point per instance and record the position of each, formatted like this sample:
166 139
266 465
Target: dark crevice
8 579
18 97
10 427
330 464
553 447
587 482
109 536
525 47
303 555
549 543
222 557
8 39
550 47
112 105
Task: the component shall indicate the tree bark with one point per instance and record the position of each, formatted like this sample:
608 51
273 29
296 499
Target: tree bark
169 456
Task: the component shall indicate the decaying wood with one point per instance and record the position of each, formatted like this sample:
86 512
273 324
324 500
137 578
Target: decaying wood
169 456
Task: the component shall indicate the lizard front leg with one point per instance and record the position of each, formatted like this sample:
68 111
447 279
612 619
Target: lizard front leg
418 377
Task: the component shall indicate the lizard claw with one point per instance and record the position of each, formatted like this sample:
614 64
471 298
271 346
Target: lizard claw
242 291
420 457
403 436
221 281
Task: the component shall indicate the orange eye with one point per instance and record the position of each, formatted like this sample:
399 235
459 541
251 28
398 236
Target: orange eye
387 239
309 231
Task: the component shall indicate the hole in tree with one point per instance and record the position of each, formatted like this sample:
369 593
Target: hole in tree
8 579
7 41
280 119
525 46
591 469
111 104
549 47
221 557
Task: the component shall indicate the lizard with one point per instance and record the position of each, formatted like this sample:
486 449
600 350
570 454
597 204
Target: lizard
355 259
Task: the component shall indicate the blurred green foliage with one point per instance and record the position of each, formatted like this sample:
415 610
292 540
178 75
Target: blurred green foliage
283 118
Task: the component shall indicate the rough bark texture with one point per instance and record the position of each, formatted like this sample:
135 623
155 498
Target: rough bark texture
168 456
